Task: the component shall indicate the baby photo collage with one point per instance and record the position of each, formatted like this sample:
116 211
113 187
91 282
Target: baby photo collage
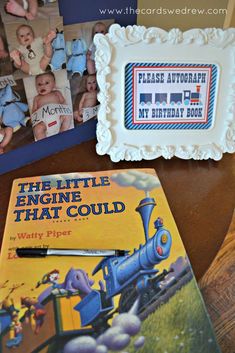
47 72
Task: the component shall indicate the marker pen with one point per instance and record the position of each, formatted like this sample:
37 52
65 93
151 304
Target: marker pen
43 252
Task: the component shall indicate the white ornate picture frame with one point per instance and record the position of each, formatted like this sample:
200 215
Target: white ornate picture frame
165 93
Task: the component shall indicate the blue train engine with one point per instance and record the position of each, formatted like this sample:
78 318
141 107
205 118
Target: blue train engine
187 97
131 276
194 97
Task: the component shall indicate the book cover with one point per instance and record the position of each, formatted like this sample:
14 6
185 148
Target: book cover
147 300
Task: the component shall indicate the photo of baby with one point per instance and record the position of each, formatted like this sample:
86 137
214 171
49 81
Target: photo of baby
28 9
5 62
99 27
33 46
86 104
34 54
50 104
6 133
15 127
80 48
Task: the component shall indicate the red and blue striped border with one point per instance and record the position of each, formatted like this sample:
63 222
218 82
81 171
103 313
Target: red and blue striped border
129 90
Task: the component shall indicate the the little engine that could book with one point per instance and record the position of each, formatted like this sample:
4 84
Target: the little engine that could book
81 304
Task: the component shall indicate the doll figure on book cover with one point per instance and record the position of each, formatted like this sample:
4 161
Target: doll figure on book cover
147 300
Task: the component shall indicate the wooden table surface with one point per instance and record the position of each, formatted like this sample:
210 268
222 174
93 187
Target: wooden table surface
201 195
218 289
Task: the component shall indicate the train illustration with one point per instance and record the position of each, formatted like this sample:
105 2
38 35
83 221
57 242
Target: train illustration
130 276
66 315
176 98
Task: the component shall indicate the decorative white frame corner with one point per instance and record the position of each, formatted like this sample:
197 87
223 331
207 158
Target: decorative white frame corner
124 48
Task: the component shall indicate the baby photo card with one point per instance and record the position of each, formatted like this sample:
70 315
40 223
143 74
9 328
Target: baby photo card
84 94
80 49
36 46
51 48
15 126
50 103
15 10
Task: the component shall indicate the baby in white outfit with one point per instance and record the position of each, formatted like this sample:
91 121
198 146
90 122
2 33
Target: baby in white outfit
34 54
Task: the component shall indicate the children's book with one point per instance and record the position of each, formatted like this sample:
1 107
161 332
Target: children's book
146 299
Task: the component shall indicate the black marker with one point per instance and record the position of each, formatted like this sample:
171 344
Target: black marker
43 252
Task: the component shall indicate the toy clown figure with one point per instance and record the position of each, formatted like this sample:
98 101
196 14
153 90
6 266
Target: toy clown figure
51 277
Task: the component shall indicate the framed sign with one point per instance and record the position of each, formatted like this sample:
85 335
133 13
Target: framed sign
170 96
165 93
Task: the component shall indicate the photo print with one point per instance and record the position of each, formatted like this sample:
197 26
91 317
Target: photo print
84 94
15 10
37 46
80 52
5 61
15 125
80 49
50 103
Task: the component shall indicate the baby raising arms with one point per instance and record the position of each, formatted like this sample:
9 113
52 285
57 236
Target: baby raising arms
34 54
